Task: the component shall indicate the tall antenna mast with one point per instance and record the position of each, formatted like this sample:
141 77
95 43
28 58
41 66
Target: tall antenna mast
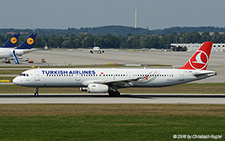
135 23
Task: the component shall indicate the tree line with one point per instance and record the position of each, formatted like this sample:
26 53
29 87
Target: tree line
119 42
114 30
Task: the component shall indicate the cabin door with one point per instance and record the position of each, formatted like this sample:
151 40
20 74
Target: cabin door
37 75
181 76
77 77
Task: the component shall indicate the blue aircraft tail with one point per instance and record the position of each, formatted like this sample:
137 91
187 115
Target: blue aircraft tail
28 43
11 43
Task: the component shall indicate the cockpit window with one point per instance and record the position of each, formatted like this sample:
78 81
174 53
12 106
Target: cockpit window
24 74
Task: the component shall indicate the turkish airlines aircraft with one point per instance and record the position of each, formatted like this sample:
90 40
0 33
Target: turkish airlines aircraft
102 80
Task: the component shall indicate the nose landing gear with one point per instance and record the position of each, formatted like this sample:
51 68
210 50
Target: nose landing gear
36 92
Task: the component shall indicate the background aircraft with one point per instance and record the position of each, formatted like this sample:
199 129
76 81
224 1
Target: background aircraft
25 47
11 43
96 50
102 80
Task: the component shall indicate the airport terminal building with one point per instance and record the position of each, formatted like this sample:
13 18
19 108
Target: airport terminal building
217 47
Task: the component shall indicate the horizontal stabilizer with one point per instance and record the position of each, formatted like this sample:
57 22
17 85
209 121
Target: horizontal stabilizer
200 73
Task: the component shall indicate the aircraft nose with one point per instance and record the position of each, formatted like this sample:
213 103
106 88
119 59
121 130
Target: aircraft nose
16 81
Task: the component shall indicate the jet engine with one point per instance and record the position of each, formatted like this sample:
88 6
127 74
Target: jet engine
97 88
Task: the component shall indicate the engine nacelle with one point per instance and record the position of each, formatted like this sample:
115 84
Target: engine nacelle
97 88
84 89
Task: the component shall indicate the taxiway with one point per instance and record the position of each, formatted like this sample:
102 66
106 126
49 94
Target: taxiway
81 98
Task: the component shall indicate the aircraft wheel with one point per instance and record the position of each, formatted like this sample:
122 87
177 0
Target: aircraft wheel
114 93
36 92
117 93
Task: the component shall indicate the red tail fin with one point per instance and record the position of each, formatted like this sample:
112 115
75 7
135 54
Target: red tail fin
199 61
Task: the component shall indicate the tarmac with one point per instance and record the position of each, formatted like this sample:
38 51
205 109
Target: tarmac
98 98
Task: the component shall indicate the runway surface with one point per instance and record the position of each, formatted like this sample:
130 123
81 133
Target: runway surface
83 98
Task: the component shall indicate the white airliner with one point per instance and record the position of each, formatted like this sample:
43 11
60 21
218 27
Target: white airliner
97 50
102 80
24 48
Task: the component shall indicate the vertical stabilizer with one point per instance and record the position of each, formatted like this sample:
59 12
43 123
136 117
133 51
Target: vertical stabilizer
199 61
11 43
28 43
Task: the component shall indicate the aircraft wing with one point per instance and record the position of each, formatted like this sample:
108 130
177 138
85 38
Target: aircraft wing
121 83
124 83
112 83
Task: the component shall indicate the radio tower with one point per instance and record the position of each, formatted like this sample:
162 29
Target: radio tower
135 16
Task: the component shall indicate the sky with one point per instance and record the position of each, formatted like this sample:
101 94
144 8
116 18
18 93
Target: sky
152 14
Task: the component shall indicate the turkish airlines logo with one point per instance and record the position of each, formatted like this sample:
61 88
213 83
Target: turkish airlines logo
199 60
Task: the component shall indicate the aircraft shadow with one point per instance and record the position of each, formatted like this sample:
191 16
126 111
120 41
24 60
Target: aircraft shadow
144 96
173 96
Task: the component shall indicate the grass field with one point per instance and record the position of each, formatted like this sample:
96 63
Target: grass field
14 72
7 78
109 121
217 88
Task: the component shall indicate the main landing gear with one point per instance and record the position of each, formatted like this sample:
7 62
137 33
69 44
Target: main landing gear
113 93
36 92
